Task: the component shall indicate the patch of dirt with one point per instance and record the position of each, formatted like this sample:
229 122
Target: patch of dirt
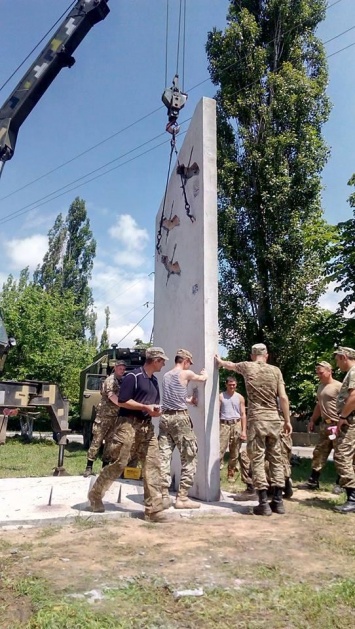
220 551
14 608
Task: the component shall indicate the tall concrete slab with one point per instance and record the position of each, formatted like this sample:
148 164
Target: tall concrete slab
186 282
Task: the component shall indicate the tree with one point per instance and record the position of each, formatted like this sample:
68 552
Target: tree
68 263
104 341
47 330
273 240
342 267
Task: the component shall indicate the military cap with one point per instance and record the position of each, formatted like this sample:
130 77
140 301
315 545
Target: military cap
323 363
258 349
184 353
349 352
156 352
120 362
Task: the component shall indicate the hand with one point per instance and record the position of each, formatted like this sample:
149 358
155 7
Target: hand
203 372
191 400
153 410
7 412
310 426
287 427
218 361
243 436
341 423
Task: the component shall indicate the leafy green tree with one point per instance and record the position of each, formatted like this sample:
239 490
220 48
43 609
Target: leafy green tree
47 330
68 263
342 267
273 241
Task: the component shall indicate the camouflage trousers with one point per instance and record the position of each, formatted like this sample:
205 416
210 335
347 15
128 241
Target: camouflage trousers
133 436
245 468
102 430
229 437
264 444
323 447
176 431
344 451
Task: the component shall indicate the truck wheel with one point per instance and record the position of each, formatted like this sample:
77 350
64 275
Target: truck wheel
87 433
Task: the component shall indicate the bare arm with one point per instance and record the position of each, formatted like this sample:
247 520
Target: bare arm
226 364
285 407
191 376
114 399
243 418
314 417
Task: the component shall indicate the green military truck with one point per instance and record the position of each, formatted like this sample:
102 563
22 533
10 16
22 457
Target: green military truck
92 377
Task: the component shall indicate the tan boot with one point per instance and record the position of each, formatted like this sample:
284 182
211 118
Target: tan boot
167 501
157 516
183 502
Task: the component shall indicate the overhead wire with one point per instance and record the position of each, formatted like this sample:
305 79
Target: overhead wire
238 61
38 44
136 325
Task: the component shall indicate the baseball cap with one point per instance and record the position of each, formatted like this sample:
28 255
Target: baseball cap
345 351
156 352
323 363
120 362
184 353
258 349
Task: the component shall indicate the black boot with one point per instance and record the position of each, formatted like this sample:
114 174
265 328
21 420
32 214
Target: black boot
312 482
263 507
288 491
277 505
349 505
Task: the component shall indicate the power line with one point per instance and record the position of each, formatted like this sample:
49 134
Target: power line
138 322
116 133
36 46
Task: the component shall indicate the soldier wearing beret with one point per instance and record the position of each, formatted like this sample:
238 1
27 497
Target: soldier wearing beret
139 401
265 388
106 416
344 450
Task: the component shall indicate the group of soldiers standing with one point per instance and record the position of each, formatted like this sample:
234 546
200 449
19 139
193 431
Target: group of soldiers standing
124 421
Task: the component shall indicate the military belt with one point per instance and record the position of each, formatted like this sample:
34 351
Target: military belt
175 411
229 421
328 421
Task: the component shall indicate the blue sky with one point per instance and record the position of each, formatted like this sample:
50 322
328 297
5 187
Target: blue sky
117 81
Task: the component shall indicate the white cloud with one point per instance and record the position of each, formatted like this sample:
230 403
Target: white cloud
131 241
330 299
28 251
126 294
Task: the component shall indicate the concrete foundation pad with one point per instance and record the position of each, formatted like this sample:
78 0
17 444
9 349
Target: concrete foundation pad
32 502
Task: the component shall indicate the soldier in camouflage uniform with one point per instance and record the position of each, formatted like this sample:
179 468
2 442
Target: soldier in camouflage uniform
134 434
265 387
176 429
326 410
344 449
106 416
232 425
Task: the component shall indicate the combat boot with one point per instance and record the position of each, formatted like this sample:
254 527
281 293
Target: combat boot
167 501
96 504
277 505
230 476
183 502
337 490
312 482
248 494
263 508
88 472
288 491
157 516
97 492
349 505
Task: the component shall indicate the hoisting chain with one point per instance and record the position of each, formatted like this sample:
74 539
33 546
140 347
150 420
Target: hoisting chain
181 171
162 217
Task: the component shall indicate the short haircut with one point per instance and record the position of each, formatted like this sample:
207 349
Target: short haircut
179 360
231 379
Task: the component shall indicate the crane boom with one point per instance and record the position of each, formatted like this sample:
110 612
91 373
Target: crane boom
57 54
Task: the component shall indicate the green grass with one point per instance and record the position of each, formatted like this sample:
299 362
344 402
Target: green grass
38 458
146 604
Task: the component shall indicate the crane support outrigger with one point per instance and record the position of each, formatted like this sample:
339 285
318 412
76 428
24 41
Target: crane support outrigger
56 55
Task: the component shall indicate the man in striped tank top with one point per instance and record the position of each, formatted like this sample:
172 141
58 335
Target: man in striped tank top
176 429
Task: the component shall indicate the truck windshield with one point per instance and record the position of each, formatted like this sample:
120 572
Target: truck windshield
93 382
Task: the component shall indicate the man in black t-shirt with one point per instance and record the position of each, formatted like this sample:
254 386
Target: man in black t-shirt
139 401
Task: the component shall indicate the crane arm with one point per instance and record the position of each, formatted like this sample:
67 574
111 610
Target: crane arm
57 54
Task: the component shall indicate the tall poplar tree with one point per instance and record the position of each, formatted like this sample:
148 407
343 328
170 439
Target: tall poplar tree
271 72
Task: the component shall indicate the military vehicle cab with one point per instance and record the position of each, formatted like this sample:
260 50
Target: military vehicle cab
93 375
